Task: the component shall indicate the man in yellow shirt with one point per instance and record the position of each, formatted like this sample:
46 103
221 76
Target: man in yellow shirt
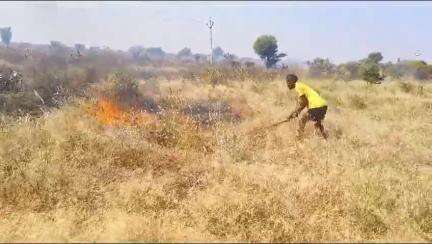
317 106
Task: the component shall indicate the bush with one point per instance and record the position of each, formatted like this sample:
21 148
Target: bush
124 84
348 71
123 89
55 88
423 73
395 71
320 67
370 72
10 80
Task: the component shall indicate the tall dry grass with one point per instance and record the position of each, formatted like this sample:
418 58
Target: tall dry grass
72 176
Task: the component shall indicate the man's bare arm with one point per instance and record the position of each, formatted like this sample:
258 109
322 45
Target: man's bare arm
302 103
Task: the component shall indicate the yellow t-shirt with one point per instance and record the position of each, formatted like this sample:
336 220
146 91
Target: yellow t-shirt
314 99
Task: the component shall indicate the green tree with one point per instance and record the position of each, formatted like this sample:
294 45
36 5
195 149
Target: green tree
375 57
6 35
370 72
267 49
370 68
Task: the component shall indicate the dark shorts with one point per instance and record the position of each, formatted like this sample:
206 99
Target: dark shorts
317 114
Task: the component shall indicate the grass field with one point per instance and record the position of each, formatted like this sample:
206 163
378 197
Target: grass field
95 170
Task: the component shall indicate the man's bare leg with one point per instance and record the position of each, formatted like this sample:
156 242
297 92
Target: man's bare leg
319 127
302 123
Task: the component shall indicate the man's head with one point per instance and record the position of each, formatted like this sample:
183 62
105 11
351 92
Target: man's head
291 80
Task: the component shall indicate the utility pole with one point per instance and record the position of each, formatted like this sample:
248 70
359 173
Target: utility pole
210 26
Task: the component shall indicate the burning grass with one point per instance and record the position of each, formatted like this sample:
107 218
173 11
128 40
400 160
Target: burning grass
109 113
109 170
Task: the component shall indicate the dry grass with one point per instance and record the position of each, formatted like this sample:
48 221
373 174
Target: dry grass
76 176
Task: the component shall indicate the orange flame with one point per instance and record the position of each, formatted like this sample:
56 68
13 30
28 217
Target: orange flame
109 113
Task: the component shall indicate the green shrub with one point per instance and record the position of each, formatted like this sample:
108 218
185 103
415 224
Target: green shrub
369 72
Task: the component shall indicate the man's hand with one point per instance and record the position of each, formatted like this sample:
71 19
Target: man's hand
302 103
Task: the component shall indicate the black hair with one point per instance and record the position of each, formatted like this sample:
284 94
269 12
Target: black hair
292 78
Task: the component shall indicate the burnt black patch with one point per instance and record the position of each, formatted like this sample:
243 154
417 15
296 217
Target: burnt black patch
210 112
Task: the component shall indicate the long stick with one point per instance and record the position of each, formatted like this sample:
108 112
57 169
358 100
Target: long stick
276 124
271 126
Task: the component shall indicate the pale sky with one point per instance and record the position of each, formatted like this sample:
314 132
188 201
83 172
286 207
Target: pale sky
340 31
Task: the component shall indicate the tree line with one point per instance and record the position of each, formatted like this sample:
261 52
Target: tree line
370 69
